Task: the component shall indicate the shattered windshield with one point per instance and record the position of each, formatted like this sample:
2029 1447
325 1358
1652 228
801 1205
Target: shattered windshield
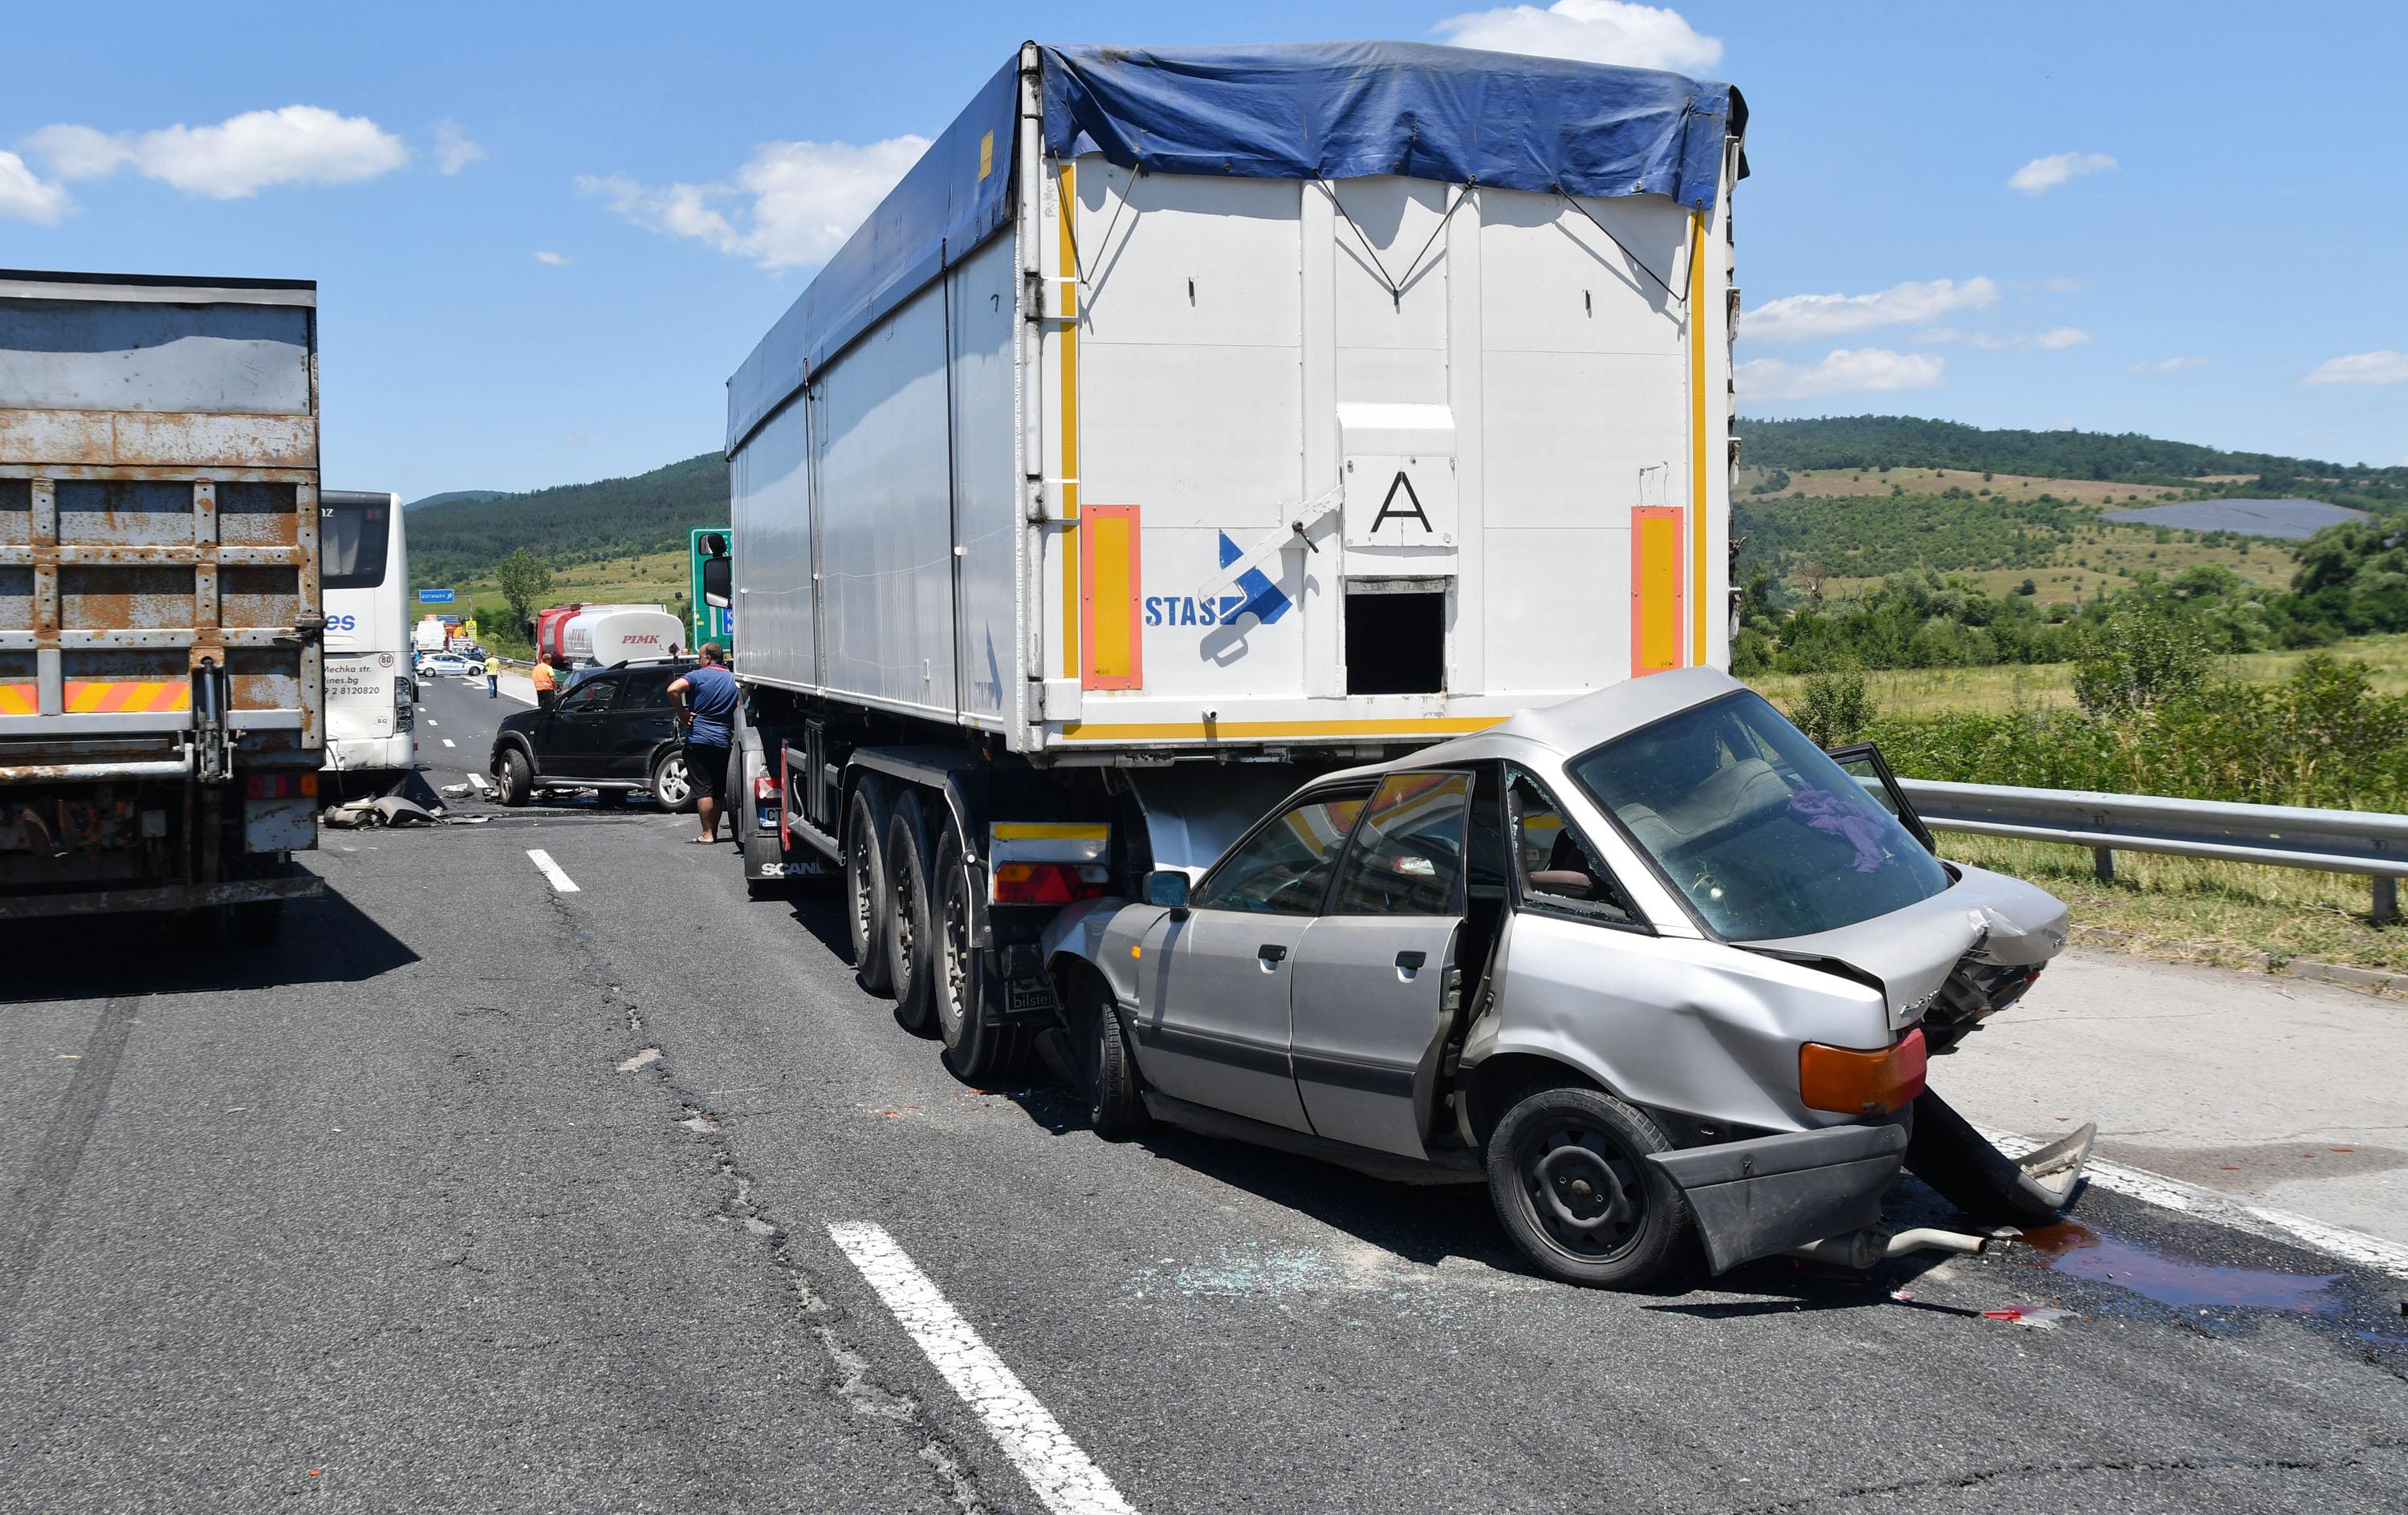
1763 834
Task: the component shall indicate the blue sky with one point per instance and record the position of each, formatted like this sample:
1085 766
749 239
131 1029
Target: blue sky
2185 220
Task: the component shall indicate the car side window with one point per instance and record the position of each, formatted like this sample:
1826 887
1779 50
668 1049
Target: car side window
1555 865
1407 856
1282 868
590 697
647 691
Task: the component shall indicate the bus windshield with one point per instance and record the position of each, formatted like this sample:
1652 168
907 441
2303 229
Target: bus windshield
351 537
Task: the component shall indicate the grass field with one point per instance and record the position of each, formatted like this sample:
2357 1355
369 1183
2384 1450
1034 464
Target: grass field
2218 912
1842 483
650 578
1926 690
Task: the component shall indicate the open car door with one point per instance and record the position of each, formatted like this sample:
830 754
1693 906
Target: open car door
1864 763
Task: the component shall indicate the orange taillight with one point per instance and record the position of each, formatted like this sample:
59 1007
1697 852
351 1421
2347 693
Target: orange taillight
1858 1082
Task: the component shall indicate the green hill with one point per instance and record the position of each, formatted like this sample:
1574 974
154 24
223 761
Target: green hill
461 539
1910 442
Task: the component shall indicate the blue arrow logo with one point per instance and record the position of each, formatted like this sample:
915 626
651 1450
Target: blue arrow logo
1260 597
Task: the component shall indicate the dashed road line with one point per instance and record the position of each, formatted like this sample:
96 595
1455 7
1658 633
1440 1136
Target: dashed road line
1061 1474
561 882
2355 1247
449 742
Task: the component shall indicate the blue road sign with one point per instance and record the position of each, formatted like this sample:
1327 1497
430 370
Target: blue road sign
436 596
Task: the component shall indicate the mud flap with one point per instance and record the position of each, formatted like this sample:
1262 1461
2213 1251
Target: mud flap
1947 1153
1767 1195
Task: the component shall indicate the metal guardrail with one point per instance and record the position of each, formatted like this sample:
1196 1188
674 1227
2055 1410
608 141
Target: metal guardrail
2366 842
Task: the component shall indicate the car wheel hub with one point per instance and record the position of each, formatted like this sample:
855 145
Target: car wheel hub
1583 1199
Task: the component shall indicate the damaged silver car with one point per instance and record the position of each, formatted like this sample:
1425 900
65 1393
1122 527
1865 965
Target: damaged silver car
1655 968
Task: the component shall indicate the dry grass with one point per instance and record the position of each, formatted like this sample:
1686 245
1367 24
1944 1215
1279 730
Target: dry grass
1929 691
2216 912
1842 483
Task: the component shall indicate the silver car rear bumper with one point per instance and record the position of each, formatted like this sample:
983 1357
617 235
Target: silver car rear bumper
1766 1194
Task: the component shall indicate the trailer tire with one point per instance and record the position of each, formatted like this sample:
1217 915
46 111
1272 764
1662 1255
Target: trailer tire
515 777
1115 1102
911 934
1569 1162
974 1050
865 891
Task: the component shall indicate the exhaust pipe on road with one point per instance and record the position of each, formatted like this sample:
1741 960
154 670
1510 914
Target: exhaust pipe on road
1863 1248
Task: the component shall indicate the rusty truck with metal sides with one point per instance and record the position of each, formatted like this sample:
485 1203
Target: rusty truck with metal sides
161 699
1188 422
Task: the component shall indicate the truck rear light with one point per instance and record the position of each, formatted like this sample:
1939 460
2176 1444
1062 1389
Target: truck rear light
765 787
1853 1081
1050 883
280 786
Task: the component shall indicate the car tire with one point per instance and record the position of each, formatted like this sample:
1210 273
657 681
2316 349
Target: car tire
865 891
516 778
1115 1102
670 787
911 932
1569 1175
975 1051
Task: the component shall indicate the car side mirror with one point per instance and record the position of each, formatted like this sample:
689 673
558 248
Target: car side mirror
1168 886
718 583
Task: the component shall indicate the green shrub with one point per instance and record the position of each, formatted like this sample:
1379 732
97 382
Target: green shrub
1835 708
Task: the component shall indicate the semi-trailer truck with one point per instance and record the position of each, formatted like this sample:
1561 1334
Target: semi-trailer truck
1190 421
161 695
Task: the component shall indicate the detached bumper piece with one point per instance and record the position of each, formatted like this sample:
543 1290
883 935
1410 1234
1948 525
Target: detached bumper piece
1986 1183
1767 1195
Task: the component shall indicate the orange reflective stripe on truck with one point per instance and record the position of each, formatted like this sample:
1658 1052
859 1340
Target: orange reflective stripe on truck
1655 589
1109 598
96 696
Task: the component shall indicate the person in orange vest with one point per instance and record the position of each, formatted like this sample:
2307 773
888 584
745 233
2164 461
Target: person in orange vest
544 680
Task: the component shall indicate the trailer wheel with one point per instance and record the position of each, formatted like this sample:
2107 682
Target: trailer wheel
1115 1107
865 891
516 778
910 928
1568 1172
974 1050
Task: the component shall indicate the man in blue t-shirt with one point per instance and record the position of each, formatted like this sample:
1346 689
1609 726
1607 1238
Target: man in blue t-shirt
705 701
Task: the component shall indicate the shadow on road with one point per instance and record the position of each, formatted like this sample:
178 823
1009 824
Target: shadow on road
325 940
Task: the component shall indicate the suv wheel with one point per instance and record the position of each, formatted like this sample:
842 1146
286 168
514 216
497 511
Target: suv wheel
515 777
671 789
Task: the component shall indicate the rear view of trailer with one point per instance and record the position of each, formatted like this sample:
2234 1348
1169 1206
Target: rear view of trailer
1287 398
161 695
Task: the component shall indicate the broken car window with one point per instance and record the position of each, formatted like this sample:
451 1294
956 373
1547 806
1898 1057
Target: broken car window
1557 865
1761 832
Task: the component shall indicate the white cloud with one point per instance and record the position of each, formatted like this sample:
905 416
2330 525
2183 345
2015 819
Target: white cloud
2168 365
2055 339
1807 318
1842 372
2383 368
1591 31
2049 172
453 152
555 259
237 157
805 198
26 197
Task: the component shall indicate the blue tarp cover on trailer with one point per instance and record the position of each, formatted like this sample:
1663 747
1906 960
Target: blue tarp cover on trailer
1295 111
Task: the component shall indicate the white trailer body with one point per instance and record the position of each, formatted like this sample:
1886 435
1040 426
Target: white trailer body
1188 410
1179 459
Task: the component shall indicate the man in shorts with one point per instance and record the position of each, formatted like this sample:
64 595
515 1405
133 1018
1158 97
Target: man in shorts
706 700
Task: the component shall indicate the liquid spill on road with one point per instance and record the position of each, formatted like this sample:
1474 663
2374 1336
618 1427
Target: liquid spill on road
2079 1251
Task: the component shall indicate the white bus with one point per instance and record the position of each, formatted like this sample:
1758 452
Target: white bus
370 690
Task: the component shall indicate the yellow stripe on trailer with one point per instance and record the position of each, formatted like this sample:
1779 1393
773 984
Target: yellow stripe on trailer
21 699
1082 731
1067 336
1698 533
1050 831
113 697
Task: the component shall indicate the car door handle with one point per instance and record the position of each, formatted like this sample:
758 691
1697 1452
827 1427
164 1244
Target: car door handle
1271 952
1410 961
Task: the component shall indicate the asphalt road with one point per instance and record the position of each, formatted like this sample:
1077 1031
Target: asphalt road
474 1193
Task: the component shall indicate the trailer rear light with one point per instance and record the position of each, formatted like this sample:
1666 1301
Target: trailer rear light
764 788
280 786
1050 883
1853 1081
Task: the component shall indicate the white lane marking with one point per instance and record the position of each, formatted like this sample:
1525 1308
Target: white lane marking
561 881
1030 1434
432 721
2357 1247
449 742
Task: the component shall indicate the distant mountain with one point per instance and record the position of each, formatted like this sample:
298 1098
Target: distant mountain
2127 457
449 496
465 533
